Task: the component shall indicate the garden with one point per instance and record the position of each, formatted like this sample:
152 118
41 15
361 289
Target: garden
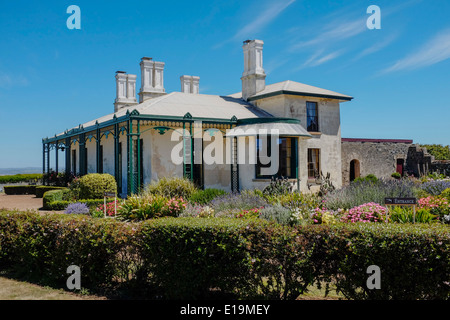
175 241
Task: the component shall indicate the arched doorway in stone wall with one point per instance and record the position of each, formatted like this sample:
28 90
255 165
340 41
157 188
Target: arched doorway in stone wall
354 169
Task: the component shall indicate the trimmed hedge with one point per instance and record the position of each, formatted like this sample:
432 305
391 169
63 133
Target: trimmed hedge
193 258
20 177
18 190
40 190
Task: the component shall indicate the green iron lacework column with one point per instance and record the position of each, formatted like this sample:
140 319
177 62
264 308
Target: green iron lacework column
130 157
116 153
97 149
138 158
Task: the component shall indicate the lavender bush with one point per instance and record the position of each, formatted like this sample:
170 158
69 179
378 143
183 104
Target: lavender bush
245 200
362 192
77 208
435 187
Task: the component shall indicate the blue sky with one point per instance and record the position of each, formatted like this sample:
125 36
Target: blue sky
53 78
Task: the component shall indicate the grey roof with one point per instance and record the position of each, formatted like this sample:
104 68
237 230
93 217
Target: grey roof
297 88
198 105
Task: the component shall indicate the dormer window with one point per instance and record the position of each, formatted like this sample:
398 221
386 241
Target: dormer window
312 116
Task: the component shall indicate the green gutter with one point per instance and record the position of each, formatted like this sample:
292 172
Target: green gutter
296 93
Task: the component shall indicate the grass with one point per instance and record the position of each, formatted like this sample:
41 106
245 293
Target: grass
12 289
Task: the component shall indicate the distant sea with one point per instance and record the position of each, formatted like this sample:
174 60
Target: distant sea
10 171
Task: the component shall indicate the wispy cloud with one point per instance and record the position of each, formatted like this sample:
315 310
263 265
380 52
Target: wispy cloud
436 50
333 32
272 11
378 45
319 58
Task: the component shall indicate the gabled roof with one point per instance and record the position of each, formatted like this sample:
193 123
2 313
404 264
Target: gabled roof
295 88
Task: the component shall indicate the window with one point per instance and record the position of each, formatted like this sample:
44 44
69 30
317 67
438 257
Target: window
313 163
312 116
100 163
287 157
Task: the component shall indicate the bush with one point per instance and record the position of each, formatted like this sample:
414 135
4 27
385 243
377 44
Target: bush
414 260
17 190
94 185
368 212
234 203
406 215
369 178
52 196
172 187
277 213
77 208
20 178
435 187
396 175
278 186
362 192
59 205
195 258
205 196
40 190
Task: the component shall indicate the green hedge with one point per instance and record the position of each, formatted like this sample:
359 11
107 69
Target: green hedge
20 177
179 258
17 190
40 190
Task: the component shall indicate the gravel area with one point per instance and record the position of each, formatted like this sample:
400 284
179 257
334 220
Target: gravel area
21 202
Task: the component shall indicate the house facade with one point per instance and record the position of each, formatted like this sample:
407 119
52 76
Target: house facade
231 142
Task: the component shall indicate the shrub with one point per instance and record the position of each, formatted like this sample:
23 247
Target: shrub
245 200
94 185
40 190
278 186
192 258
436 205
324 216
435 187
277 213
77 208
20 178
396 175
17 190
362 192
51 196
197 210
369 178
368 212
206 195
446 194
172 187
149 206
414 260
406 215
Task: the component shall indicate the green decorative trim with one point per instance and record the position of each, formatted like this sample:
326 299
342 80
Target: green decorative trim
162 129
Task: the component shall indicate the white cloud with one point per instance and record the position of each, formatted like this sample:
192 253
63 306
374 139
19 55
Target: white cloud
319 58
259 22
434 51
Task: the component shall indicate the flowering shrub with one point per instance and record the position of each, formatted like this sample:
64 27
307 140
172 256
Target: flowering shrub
110 209
325 216
367 212
249 214
77 208
435 187
437 205
174 207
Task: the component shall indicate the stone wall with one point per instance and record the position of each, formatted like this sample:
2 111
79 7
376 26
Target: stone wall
373 156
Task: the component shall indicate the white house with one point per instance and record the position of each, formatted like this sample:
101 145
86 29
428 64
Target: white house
232 142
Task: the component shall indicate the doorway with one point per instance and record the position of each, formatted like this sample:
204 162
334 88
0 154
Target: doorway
354 169
400 166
